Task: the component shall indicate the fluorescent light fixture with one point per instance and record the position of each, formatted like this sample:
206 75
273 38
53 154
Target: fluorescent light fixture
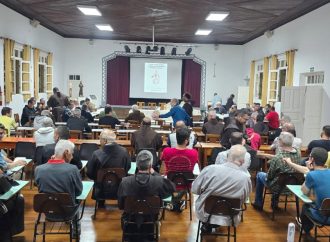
104 27
89 10
217 16
203 31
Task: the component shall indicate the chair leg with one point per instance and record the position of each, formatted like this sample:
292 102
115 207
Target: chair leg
95 209
234 234
228 234
263 200
31 178
71 231
286 202
198 230
35 231
315 234
300 233
190 209
44 232
77 231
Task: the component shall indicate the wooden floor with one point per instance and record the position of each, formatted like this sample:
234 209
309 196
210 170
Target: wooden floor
257 226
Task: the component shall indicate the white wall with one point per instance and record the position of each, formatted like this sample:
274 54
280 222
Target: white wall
310 34
17 27
86 60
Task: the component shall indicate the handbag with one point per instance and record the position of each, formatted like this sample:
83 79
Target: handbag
5 185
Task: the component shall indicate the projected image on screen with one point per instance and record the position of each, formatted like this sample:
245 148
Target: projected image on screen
155 77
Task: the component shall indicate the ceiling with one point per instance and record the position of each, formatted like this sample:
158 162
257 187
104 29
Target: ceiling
174 20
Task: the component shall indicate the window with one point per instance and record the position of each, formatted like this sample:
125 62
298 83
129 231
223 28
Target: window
258 83
314 78
277 79
16 63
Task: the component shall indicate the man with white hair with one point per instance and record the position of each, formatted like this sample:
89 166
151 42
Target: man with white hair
76 122
58 175
226 180
219 108
276 167
135 115
213 126
110 155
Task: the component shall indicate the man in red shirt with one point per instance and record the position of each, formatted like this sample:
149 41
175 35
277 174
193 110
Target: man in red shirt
180 159
273 119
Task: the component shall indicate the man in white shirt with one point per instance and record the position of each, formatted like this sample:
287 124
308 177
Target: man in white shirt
172 142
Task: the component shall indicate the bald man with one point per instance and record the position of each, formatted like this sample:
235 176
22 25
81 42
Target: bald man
213 126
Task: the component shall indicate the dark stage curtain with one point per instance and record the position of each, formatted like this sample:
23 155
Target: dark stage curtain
118 81
191 80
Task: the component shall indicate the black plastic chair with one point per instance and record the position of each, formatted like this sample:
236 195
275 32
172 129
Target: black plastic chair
25 149
183 179
220 206
141 212
323 210
283 180
86 150
37 161
107 184
57 207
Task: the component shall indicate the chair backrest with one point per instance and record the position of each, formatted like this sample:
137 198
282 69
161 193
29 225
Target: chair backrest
162 106
160 122
217 205
181 178
104 126
133 122
38 155
152 104
25 149
54 204
166 127
86 150
197 129
108 180
213 138
294 178
140 104
325 207
134 125
16 117
149 205
264 139
75 134
197 117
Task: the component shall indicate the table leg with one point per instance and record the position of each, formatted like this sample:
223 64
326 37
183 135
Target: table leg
297 206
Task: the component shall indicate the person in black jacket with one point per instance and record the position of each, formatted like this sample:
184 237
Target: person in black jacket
28 114
77 122
61 132
236 124
186 98
86 114
230 102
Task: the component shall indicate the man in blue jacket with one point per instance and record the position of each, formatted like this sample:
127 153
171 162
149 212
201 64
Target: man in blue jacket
177 113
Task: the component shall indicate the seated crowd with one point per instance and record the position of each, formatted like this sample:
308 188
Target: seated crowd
239 133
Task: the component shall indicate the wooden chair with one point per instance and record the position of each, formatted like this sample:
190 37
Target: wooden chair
162 106
166 127
220 206
197 117
283 180
75 134
325 211
160 122
183 179
140 104
152 104
122 136
197 129
264 139
212 138
149 209
57 207
103 126
107 184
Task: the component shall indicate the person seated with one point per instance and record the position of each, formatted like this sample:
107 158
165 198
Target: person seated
58 176
6 163
60 133
219 108
68 111
236 124
235 139
213 126
275 133
113 113
146 182
45 135
108 119
317 180
206 119
28 114
254 138
273 119
7 120
288 127
227 180
179 159
176 112
37 122
172 142
86 114
146 138
259 126
90 105
76 122
323 142
41 105
110 155
11 215
258 109
135 115
276 167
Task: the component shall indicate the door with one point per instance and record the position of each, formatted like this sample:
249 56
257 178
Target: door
272 96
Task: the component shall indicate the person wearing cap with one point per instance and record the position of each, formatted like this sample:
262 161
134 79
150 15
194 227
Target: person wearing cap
7 120
37 122
146 182
45 135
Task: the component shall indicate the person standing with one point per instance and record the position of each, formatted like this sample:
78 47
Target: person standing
230 102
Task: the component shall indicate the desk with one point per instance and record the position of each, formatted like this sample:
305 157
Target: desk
18 168
296 190
87 187
13 190
206 147
200 136
267 149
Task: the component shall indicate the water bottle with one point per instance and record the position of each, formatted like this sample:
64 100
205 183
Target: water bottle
291 232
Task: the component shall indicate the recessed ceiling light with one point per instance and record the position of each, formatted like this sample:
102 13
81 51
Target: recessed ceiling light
104 27
217 16
89 10
203 31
